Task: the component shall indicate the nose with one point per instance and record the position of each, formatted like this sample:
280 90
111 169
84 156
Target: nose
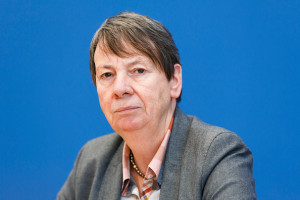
122 85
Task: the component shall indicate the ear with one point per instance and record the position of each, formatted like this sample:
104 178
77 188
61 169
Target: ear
176 82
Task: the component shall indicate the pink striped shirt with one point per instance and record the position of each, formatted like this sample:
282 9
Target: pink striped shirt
154 165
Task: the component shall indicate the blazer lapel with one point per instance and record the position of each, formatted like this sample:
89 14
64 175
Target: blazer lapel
173 157
112 182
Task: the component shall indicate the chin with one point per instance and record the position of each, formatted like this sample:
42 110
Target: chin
127 125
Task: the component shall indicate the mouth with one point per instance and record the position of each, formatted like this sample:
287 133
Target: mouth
126 108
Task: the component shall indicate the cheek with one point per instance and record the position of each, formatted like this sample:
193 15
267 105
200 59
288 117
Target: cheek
103 100
105 106
153 100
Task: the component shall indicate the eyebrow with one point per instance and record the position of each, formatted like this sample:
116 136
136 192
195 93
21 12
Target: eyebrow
133 62
104 66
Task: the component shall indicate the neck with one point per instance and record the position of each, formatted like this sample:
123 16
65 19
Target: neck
145 143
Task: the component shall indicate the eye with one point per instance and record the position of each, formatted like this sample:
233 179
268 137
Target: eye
139 71
106 75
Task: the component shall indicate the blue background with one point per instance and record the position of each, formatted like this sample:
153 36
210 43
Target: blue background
240 62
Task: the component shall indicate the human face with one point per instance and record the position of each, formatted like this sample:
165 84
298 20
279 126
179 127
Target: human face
133 92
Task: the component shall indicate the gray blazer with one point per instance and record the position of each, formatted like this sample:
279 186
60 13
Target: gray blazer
201 162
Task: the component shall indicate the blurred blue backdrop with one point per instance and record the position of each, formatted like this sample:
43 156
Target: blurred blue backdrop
240 61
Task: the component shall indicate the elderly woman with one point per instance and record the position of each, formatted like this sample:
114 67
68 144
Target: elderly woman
157 152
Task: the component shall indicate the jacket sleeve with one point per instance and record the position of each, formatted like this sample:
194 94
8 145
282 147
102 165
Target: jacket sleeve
228 168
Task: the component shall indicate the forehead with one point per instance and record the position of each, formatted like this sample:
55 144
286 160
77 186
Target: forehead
103 57
121 47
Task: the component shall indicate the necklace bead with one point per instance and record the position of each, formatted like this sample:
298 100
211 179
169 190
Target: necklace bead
135 166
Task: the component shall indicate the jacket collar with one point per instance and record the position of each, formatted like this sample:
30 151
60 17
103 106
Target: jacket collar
111 188
174 154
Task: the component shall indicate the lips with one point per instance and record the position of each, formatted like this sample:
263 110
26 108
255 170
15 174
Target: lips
126 108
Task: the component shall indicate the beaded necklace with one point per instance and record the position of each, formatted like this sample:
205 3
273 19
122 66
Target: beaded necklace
134 165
